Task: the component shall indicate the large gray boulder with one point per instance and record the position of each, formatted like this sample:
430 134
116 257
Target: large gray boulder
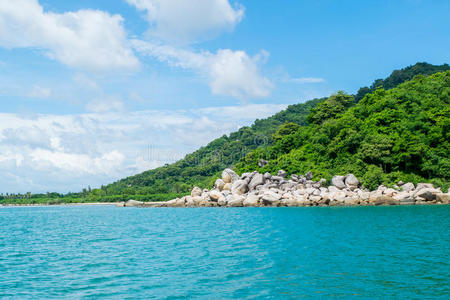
215 195
351 181
229 176
270 198
257 179
239 187
408 187
235 201
219 184
251 200
309 175
196 191
338 181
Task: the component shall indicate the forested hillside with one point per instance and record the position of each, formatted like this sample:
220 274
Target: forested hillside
389 135
378 134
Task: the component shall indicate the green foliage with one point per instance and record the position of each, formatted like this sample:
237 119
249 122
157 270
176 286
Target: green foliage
330 108
399 76
399 134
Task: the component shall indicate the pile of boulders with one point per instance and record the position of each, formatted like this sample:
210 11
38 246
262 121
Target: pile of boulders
256 189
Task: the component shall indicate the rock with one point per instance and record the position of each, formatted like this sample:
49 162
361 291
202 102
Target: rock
389 192
315 198
262 162
403 197
239 187
338 181
133 203
227 187
338 196
267 175
257 179
400 183
333 189
189 201
386 200
222 201
351 181
181 202
408 187
443 198
215 195
424 185
291 202
235 201
309 175
428 194
196 191
282 173
322 181
351 200
219 184
277 178
294 177
270 198
229 176
251 200
310 190
196 200
302 201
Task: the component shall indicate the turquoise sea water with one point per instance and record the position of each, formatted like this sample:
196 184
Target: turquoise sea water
216 253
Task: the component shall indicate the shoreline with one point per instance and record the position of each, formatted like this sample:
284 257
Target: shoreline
62 204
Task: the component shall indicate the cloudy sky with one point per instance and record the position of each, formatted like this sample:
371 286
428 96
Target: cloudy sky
95 90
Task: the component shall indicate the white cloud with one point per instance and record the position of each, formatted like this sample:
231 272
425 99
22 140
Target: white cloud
229 73
186 21
307 80
40 92
68 152
88 39
105 105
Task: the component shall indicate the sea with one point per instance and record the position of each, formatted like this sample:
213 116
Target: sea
108 252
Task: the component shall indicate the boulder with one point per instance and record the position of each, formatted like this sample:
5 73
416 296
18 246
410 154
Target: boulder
351 181
219 184
251 200
333 189
385 200
229 176
338 181
291 202
257 179
181 202
267 176
222 201
133 203
235 201
282 173
351 200
338 196
270 198
408 187
443 198
196 191
428 194
302 201
215 195
239 187
309 175
389 192
424 185
196 200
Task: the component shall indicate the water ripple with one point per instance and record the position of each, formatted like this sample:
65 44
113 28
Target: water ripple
210 253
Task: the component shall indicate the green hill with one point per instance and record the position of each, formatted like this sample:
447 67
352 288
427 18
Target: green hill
202 166
389 135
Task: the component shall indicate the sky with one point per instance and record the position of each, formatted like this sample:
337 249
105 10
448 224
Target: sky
92 91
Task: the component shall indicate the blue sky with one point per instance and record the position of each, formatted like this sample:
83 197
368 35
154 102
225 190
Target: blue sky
86 86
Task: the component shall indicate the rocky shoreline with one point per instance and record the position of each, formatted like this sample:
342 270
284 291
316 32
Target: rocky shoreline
266 190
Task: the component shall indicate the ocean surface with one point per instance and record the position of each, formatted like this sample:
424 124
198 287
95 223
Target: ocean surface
223 253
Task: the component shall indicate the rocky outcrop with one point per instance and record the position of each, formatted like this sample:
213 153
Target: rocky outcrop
255 189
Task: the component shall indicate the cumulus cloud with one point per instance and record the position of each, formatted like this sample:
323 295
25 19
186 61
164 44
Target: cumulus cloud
187 21
68 152
88 39
229 73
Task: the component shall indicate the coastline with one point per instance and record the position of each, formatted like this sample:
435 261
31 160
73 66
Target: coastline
63 204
